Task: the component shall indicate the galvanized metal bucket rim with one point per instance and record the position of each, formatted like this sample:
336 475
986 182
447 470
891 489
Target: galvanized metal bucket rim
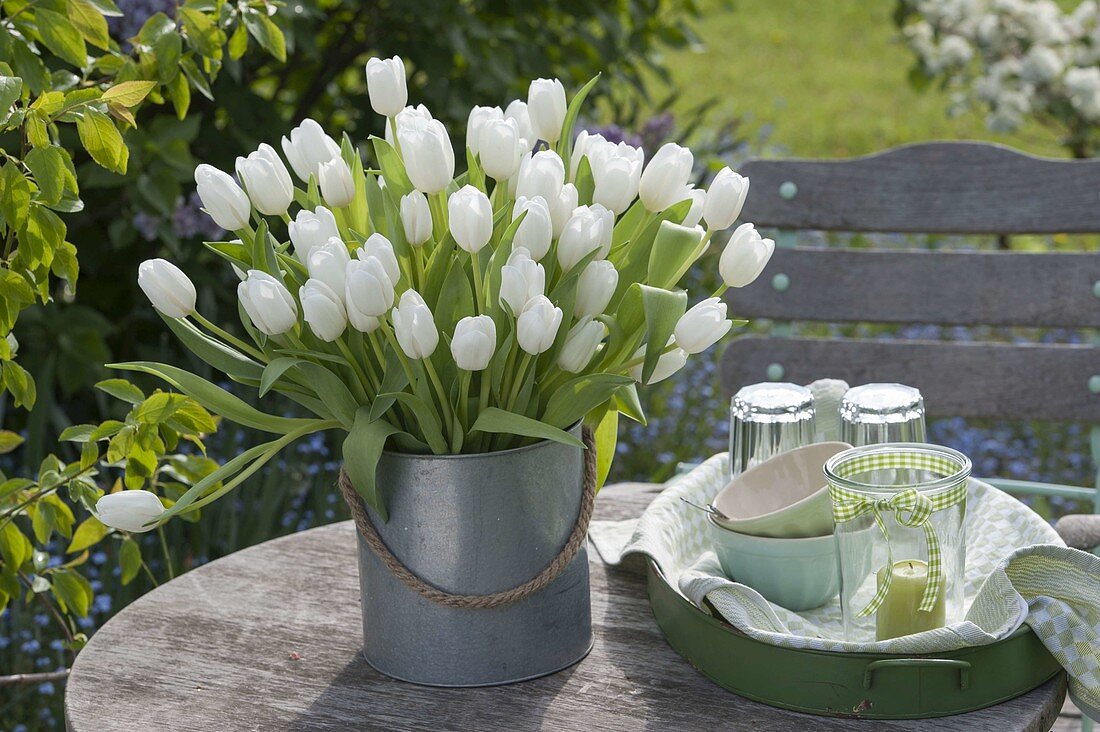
478 455
965 467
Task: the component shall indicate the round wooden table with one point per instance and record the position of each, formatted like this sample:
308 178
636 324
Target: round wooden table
269 639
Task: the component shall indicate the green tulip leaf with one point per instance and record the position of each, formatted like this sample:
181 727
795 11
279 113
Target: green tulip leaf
331 390
565 142
394 379
579 396
273 371
496 420
426 419
225 359
674 249
361 451
393 170
605 434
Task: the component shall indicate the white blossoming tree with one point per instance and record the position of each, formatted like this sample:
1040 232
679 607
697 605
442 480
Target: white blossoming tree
1016 59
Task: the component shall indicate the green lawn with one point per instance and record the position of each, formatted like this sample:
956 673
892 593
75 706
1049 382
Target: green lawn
829 78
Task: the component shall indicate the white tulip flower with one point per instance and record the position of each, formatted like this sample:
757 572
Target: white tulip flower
470 218
323 309
414 325
702 326
668 364
522 279
307 147
368 290
311 229
167 287
403 118
335 181
547 107
616 182
561 208
474 342
580 345
266 180
478 117
517 110
222 198
386 85
541 174
429 157
596 287
589 228
698 204
267 302
133 511
500 147
582 144
665 180
745 256
416 218
725 199
380 248
537 326
536 231
328 263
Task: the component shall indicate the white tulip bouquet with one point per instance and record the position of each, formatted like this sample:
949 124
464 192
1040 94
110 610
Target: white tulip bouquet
445 315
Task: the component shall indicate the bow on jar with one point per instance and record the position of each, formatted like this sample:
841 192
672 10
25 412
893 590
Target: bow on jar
911 508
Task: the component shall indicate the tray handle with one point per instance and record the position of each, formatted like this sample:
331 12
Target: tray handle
962 666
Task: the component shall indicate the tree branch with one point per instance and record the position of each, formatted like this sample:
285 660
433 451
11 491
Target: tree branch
39 678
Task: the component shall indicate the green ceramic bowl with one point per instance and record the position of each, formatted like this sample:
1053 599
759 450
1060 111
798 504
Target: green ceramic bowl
798 574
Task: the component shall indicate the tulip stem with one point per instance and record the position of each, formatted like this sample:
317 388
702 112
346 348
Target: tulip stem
396 142
167 554
361 384
721 290
641 359
228 337
517 383
462 420
437 204
479 295
444 401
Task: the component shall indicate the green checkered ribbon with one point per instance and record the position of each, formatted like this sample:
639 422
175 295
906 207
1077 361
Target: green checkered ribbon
910 506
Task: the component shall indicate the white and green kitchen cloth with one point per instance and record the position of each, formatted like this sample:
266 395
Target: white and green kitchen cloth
1017 571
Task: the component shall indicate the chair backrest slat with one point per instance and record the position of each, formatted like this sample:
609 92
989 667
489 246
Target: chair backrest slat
1041 382
949 288
953 187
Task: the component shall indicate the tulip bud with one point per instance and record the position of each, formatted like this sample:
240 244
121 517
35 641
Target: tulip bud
536 231
665 180
167 287
541 174
323 309
133 511
702 326
745 256
580 345
596 286
403 118
470 217
500 147
582 144
695 213
308 147
386 85
311 229
590 227
474 342
380 248
266 180
537 326
429 157
368 291
547 107
725 199
222 198
335 181
668 364
517 110
616 182
268 303
328 263
414 325
416 218
477 119
561 208
522 279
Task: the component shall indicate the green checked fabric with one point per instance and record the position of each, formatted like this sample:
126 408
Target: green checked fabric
910 506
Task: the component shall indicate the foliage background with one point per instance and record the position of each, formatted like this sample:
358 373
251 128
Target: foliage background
760 78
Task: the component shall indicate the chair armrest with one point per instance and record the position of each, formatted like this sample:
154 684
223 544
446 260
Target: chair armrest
1080 531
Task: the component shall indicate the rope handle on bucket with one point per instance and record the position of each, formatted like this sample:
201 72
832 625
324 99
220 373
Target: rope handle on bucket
496 599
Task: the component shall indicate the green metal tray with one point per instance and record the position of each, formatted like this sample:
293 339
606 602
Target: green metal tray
863 685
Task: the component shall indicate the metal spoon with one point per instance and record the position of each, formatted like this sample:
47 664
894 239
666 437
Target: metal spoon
709 508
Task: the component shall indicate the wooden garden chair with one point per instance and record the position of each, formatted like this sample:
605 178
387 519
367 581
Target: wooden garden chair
939 187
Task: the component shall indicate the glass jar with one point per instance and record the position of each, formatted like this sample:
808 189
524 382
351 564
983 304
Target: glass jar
899 512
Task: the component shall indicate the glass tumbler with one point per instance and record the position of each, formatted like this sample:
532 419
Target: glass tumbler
875 413
899 512
766 420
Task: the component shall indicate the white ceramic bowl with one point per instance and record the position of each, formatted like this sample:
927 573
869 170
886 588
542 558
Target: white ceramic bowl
783 497
797 574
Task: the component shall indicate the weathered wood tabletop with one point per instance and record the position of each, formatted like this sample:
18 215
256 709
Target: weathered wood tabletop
269 639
